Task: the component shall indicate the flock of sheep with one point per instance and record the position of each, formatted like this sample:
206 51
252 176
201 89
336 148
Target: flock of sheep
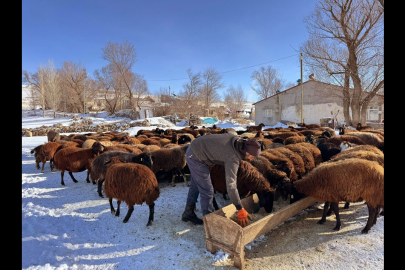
295 162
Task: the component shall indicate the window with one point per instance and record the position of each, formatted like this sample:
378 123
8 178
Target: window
125 103
268 113
372 114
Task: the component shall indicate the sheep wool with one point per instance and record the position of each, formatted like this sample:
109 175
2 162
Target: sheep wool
132 183
350 180
249 181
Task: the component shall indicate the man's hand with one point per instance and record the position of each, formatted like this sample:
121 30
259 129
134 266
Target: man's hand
243 217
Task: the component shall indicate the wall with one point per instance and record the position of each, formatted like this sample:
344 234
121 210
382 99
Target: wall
320 100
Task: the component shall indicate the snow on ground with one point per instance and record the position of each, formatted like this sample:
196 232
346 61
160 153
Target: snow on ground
70 227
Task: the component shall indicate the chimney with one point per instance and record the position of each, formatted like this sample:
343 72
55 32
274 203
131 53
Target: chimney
312 76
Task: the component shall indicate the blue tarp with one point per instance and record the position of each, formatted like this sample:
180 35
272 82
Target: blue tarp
209 120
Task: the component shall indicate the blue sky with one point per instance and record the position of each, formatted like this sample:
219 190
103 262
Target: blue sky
170 36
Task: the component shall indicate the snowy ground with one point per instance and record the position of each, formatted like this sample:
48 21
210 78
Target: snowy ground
70 227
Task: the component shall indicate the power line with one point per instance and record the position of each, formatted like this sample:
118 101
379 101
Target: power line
228 70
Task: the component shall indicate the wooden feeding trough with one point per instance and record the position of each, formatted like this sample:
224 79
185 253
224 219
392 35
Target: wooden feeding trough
224 233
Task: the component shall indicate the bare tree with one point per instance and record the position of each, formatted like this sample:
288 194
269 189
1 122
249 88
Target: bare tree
74 82
189 96
211 83
346 41
37 84
234 99
52 93
32 80
121 58
266 81
104 83
140 90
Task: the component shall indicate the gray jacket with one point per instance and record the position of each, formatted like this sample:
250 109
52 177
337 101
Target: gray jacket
224 149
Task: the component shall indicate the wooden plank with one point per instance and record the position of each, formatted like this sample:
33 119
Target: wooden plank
222 229
226 234
264 225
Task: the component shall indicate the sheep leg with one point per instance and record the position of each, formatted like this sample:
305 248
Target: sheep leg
215 204
151 214
118 208
111 206
335 208
71 176
87 178
325 213
347 204
99 187
185 178
51 165
43 165
174 175
378 208
372 212
61 178
329 211
129 213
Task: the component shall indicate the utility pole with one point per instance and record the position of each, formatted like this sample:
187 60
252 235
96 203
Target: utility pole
302 94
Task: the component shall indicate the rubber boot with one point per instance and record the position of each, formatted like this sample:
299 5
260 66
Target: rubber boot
189 215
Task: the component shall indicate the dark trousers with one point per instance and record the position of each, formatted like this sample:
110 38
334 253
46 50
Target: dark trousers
200 183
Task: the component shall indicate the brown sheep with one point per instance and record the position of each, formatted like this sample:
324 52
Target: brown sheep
170 160
73 159
150 141
343 130
350 180
255 128
316 153
88 143
151 148
281 161
295 158
370 138
363 154
360 127
270 172
53 136
341 138
126 147
315 132
294 139
249 181
99 165
309 125
305 154
365 147
284 135
45 152
132 183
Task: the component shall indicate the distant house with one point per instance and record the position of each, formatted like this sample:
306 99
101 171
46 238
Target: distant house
29 102
320 100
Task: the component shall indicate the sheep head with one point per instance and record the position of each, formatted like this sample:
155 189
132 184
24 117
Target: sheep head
145 159
97 148
284 188
266 199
